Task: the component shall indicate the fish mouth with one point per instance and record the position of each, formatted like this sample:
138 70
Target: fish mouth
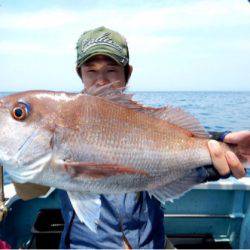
24 171
3 110
17 165
2 106
29 172
5 160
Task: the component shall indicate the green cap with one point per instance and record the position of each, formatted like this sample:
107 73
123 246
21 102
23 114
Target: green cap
102 41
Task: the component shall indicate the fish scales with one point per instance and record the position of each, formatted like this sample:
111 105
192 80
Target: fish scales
108 134
119 153
96 145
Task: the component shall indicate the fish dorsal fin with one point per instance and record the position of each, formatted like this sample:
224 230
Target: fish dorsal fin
114 92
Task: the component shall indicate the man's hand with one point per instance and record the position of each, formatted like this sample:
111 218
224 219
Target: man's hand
229 162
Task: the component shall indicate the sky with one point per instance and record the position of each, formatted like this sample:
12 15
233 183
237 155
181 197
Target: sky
192 45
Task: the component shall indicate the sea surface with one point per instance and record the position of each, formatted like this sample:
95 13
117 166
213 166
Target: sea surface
217 111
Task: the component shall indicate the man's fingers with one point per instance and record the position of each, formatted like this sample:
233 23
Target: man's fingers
218 157
244 151
236 167
225 162
236 137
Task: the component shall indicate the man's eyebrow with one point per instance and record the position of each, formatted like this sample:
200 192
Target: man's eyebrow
110 63
88 64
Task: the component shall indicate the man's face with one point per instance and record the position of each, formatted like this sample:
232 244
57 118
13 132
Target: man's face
101 70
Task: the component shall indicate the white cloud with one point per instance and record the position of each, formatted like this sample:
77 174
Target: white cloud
170 33
17 48
38 20
197 14
151 44
185 15
146 30
137 44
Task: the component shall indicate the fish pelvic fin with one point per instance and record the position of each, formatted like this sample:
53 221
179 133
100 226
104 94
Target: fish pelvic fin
114 92
99 170
87 208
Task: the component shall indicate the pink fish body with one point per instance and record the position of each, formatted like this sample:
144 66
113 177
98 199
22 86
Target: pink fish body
100 142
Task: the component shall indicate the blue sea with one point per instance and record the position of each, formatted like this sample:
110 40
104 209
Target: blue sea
217 111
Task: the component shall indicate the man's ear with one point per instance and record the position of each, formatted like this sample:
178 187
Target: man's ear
130 70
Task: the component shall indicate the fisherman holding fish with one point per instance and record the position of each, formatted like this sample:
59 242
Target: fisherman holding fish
104 149
134 219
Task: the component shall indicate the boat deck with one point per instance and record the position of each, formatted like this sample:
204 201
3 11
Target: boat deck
212 215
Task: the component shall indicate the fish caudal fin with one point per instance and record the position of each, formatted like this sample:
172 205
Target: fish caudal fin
87 208
177 188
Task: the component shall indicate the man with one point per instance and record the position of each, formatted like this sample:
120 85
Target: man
131 220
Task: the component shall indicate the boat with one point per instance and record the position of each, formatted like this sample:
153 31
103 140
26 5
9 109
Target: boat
211 215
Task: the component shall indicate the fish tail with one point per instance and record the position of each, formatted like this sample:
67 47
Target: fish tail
179 187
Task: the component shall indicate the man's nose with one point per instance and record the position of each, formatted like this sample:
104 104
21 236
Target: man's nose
102 81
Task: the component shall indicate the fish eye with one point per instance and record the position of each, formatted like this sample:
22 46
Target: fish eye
21 111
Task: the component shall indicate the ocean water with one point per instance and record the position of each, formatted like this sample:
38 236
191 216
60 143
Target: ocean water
217 111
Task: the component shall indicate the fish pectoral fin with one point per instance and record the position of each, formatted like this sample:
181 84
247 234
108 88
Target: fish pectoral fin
87 207
99 170
179 187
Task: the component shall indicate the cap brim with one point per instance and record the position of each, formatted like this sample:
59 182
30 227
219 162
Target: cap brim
28 191
104 53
